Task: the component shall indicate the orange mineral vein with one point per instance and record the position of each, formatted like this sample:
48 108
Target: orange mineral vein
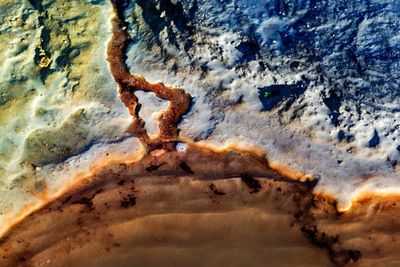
128 83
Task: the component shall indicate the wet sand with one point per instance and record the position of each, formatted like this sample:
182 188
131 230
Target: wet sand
198 207
209 211
171 222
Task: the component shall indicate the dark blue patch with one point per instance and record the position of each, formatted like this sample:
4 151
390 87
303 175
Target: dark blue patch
375 140
249 49
271 96
333 101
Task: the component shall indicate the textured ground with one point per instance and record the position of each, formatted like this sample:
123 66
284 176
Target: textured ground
173 207
58 99
322 76
141 214
306 92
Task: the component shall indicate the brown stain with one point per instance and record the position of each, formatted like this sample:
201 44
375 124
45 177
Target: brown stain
216 191
251 183
310 227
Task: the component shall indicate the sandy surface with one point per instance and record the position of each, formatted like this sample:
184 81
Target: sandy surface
140 215
189 208
125 220
88 180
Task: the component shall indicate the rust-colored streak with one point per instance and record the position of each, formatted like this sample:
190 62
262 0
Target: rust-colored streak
128 83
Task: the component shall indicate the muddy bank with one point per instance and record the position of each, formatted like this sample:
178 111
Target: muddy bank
191 203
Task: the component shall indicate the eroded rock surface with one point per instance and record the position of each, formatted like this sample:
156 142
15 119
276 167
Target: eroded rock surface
299 98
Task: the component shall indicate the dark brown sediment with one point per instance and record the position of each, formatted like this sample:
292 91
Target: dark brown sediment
117 194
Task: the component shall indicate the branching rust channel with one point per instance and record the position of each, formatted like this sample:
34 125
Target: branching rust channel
179 101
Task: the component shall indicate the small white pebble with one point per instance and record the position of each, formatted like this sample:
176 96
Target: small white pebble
181 147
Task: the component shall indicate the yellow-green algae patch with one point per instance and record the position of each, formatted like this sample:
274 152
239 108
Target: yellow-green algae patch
44 146
49 50
57 97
